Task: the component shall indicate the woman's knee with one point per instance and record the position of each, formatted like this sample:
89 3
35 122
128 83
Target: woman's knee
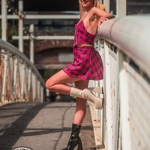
49 84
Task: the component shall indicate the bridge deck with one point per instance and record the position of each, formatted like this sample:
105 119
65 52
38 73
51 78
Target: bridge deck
41 126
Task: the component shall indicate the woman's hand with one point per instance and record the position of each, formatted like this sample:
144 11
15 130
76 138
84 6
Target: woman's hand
101 20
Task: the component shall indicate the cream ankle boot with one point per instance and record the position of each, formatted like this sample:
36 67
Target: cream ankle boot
86 94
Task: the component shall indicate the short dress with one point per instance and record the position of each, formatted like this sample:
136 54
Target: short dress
87 64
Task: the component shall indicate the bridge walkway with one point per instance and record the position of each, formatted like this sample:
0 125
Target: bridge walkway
41 126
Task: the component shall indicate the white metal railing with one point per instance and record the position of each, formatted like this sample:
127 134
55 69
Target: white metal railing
19 79
124 44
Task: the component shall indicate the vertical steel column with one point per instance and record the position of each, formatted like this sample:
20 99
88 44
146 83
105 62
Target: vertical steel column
29 83
32 43
121 8
34 87
124 101
120 69
109 141
42 94
10 77
116 104
5 74
4 19
107 5
15 76
26 83
23 81
102 117
38 91
19 76
4 37
20 8
98 112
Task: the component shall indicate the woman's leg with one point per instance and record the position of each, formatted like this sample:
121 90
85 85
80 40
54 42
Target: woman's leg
80 103
56 83
78 118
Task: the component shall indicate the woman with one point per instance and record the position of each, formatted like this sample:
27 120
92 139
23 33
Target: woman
87 65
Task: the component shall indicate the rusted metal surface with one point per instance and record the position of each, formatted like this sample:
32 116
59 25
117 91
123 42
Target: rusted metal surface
124 47
20 80
138 102
131 35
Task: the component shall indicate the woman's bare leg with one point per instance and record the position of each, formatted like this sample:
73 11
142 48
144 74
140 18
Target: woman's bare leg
56 83
80 103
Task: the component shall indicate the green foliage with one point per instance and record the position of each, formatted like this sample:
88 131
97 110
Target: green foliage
12 30
49 72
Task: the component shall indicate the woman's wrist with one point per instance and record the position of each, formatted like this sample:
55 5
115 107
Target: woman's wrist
110 17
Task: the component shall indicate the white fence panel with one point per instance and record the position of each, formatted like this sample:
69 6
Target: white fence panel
125 117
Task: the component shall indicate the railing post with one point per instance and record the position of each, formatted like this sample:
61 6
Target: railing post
23 80
116 105
124 96
15 76
107 5
19 76
100 84
108 98
33 87
5 75
119 125
4 19
37 91
29 83
42 94
20 19
4 37
32 43
10 77
121 8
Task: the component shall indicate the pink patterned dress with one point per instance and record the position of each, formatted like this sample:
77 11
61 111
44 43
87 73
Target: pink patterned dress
87 64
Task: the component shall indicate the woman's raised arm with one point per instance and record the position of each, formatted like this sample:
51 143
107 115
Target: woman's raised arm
100 13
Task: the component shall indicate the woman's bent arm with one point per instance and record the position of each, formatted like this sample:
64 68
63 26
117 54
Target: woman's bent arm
100 13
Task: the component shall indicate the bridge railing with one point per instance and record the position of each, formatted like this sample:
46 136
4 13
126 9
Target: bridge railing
19 80
124 45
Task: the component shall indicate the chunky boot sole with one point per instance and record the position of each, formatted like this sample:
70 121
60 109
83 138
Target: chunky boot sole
96 89
88 95
98 102
80 146
75 140
72 147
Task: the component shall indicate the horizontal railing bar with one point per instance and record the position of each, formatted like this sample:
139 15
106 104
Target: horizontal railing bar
37 17
50 66
138 3
45 37
131 34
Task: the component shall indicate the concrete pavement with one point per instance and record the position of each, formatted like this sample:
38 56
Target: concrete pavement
41 126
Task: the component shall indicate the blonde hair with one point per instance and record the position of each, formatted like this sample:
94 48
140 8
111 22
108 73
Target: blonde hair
81 9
